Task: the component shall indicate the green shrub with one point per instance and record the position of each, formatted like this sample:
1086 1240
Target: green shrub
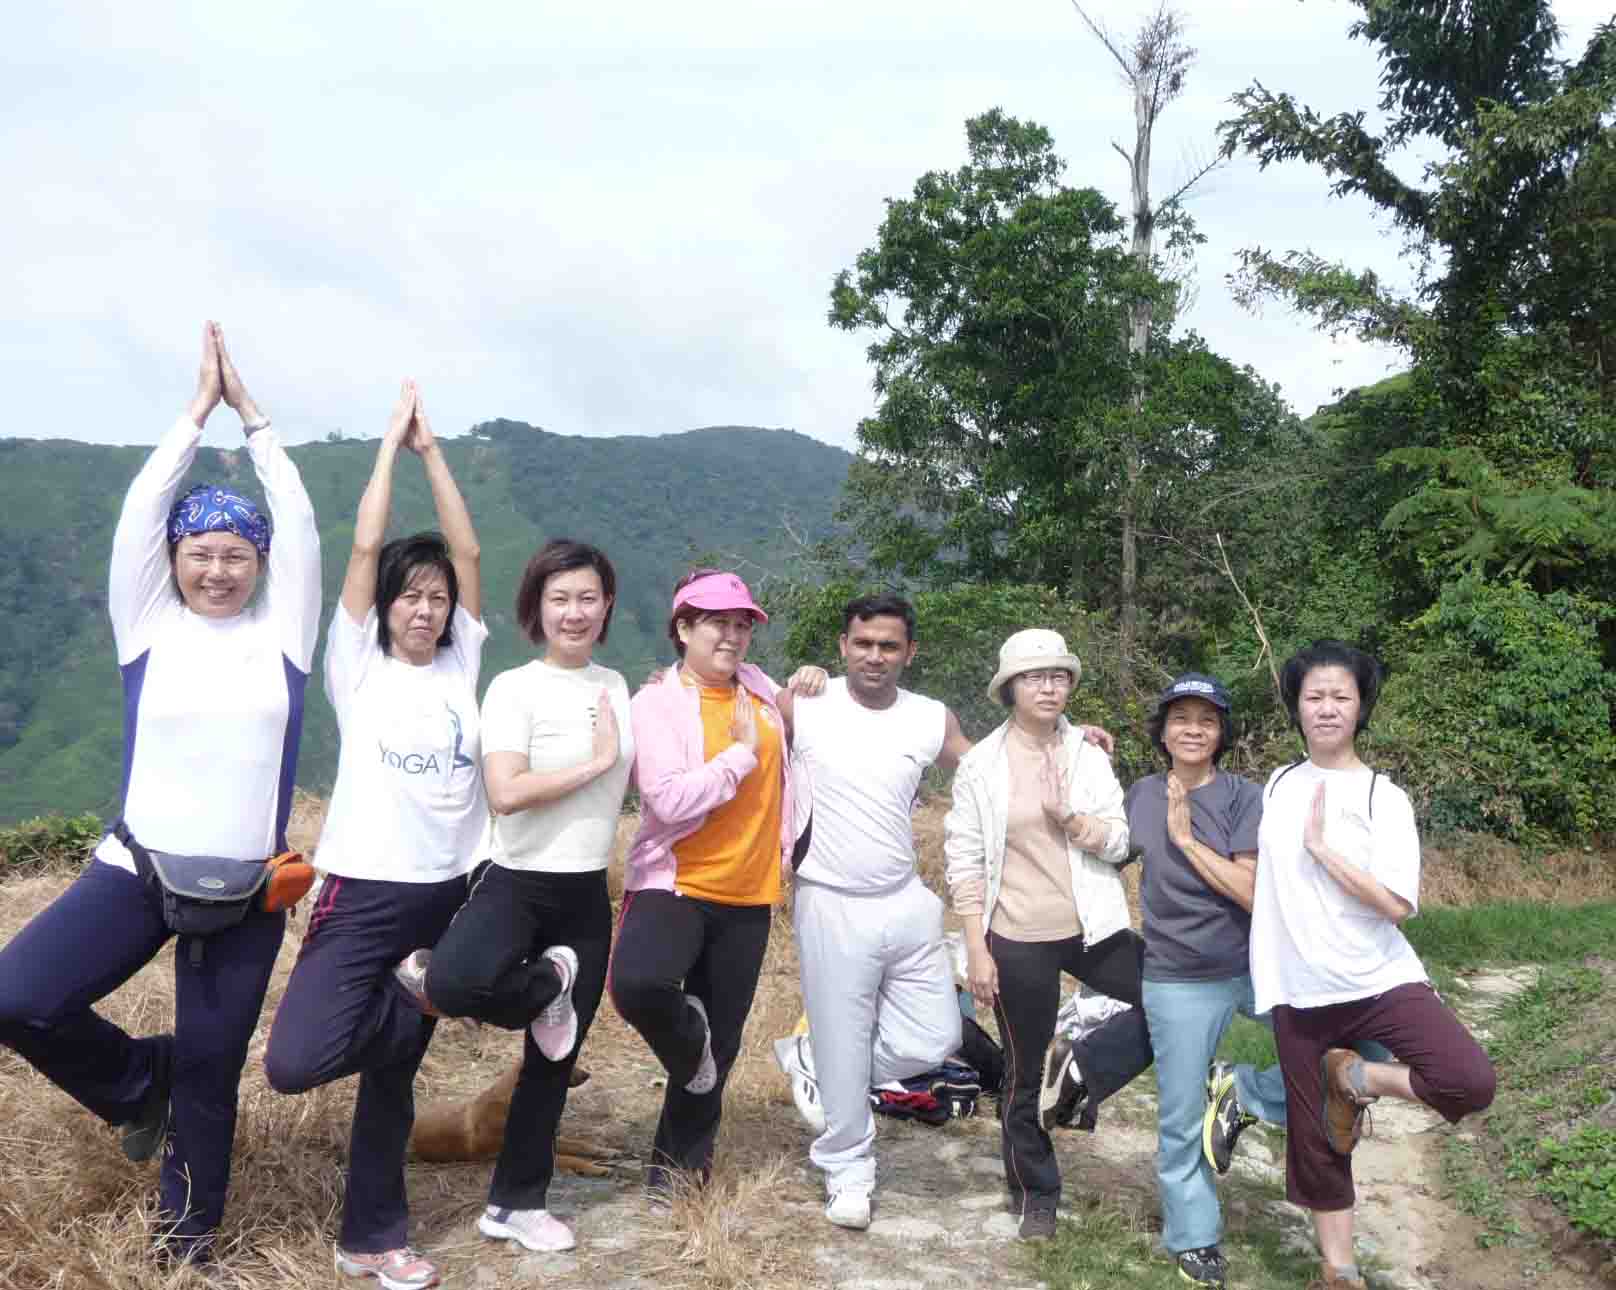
49 841
1497 716
1579 1175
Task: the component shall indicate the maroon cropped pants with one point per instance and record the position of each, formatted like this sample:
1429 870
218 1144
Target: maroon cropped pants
1448 1071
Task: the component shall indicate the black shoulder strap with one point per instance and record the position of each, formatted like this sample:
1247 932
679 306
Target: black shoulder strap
1284 773
1374 775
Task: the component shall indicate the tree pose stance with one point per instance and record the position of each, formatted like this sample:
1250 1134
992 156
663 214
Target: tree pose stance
407 812
213 685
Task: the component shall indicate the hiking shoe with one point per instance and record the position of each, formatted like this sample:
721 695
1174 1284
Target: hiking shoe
143 1136
1225 1120
534 1229
555 1030
849 1207
795 1056
1038 1223
1203 1267
706 1077
411 976
400 1269
1062 1088
1344 1099
1330 1279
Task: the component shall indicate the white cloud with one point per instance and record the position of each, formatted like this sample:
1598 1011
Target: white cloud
618 218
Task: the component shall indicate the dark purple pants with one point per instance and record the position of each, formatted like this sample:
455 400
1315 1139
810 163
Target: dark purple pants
79 949
1448 1071
344 1014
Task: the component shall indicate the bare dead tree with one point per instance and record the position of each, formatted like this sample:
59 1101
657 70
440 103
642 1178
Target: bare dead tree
1154 66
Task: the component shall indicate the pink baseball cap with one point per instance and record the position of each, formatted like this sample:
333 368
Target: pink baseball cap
717 592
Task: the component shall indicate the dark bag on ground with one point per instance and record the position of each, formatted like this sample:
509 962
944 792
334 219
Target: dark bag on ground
205 895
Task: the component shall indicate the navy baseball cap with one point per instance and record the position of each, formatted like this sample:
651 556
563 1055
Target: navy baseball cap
1195 685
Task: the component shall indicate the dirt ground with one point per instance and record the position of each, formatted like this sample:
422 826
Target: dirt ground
73 1212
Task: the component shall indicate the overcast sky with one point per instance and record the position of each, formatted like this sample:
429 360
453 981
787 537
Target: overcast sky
612 218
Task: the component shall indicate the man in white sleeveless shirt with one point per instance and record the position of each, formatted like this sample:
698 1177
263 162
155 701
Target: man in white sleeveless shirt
877 980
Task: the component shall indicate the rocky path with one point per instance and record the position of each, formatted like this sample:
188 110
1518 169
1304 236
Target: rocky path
941 1221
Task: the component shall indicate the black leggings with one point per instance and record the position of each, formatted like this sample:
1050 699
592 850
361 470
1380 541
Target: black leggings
668 946
489 965
1109 1056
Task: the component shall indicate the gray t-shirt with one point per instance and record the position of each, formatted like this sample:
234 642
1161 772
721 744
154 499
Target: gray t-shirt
1191 932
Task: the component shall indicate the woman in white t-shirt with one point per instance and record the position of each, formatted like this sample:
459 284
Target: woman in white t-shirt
400 836
529 950
1338 868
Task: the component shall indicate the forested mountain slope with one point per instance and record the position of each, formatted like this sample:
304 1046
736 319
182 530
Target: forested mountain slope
652 504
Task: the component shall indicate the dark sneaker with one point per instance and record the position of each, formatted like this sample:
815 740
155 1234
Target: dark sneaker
1225 1120
143 1136
1344 1099
1203 1267
1062 1089
1038 1223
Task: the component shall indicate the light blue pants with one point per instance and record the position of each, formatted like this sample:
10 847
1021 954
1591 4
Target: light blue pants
1187 1020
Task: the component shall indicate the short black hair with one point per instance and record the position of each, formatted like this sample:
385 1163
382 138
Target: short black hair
561 555
883 605
399 562
1156 726
1365 669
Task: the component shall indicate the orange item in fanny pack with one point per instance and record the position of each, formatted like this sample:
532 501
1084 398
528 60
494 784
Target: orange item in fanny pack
289 880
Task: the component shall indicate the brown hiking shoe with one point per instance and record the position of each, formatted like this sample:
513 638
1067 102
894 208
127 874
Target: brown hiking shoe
1328 1279
1345 1100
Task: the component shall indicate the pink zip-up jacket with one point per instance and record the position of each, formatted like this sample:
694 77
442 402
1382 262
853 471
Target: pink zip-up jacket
678 785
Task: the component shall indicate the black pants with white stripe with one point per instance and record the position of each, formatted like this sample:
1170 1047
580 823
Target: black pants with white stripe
1109 1057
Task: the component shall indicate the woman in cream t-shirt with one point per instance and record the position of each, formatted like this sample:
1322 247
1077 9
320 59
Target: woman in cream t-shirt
529 950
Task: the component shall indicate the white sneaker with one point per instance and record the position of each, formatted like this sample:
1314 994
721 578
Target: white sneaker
795 1056
706 1077
555 1030
410 973
534 1229
400 1269
849 1207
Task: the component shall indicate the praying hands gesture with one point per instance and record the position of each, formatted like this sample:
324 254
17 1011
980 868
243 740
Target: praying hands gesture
217 379
607 740
743 728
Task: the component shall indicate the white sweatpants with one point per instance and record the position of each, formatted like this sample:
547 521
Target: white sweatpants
879 992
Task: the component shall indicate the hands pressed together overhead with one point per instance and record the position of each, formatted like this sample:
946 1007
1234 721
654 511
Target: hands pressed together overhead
217 379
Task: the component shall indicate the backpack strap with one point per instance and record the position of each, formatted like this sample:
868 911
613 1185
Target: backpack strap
1374 775
1284 773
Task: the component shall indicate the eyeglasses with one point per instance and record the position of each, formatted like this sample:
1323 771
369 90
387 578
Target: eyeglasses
233 561
1061 680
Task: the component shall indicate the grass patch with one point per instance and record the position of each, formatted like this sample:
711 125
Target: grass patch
1100 1246
1460 939
1549 1134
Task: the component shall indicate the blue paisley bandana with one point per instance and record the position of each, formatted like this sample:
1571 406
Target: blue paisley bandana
208 509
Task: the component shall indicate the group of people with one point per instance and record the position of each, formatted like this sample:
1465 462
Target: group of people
465 853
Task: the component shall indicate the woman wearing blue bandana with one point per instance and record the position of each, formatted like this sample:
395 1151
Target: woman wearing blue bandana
213 684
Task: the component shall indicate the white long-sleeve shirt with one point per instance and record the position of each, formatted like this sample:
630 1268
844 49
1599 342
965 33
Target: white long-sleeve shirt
212 708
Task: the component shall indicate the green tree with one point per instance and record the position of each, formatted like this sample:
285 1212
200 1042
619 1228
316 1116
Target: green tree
1507 461
1015 429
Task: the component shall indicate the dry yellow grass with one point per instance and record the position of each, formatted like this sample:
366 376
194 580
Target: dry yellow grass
74 1213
